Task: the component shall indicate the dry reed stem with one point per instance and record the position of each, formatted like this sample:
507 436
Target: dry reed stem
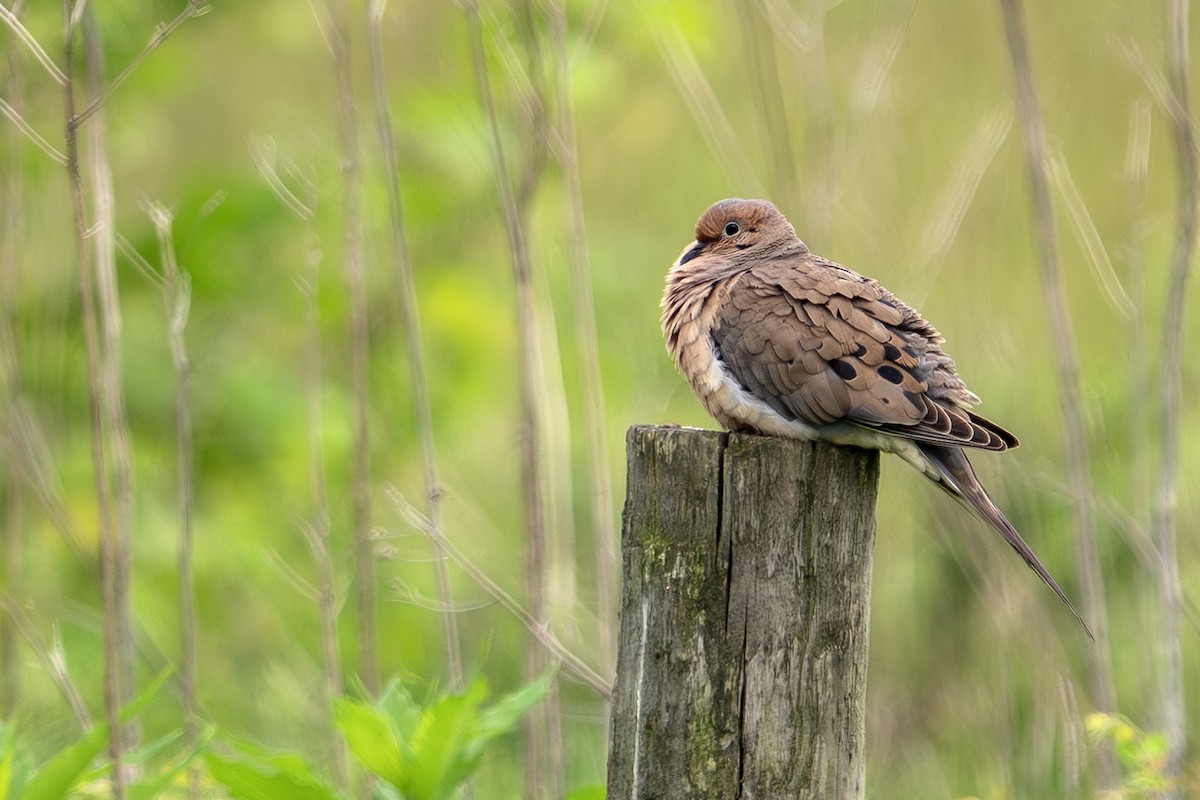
587 348
1163 518
759 46
1101 689
803 32
414 349
571 662
193 8
302 202
11 492
52 657
540 775
523 62
24 127
13 21
706 109
35 467
325 597
1101 692
103 233
318 533
108 534
12 551
176 291
534 97
956 198
338 36
1134 522
1102 267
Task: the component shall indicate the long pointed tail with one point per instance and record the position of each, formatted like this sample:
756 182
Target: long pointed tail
958 480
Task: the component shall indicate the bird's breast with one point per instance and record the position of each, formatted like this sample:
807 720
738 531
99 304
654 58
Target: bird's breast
688 323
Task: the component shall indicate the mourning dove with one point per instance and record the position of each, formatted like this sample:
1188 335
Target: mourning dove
777 340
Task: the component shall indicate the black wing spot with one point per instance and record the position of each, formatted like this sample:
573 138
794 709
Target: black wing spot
843 369
859 350
890 352
890 373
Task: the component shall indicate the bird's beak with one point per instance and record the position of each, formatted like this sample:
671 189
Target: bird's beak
690 252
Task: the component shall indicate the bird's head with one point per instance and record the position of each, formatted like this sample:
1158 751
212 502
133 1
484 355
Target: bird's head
739 230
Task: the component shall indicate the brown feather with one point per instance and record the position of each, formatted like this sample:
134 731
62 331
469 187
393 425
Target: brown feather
774 338
962 484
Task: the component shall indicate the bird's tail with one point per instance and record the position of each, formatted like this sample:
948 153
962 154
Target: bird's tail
958 480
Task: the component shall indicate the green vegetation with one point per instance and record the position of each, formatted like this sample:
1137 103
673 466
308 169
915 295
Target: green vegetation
886 131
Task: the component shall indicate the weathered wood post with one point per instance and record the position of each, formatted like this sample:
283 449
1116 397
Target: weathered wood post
741 670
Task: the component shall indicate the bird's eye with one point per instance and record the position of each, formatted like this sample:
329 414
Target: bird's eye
732 228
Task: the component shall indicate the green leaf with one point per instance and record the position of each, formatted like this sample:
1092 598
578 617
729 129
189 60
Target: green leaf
6 770
441 756
150 786
250 777
399 707
60 774
503 715
370 736
142 700
65 770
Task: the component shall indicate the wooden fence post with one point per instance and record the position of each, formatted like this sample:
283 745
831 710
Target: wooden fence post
742 661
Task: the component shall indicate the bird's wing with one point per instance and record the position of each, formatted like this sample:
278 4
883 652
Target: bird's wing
823 344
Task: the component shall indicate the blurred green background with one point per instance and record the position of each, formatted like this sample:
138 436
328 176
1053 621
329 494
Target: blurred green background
884 130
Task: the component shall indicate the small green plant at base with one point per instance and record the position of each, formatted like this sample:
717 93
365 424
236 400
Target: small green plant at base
1141 756
250 773
75 771
426 753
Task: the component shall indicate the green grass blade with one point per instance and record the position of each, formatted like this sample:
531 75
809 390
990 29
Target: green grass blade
60 774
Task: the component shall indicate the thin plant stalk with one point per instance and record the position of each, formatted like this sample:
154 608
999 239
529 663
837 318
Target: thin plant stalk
11 18
53 660
803 32
355 272
759 46
1136 171
318 534
534 99
959 193
707 111
24 127
11 496
587 348
410 319
10 573
1101 693
1165 496
192 8
107 528
104 254
302 202
571 662
541 777
176 288
558 559
34 465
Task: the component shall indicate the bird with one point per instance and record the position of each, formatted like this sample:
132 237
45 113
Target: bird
776 340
